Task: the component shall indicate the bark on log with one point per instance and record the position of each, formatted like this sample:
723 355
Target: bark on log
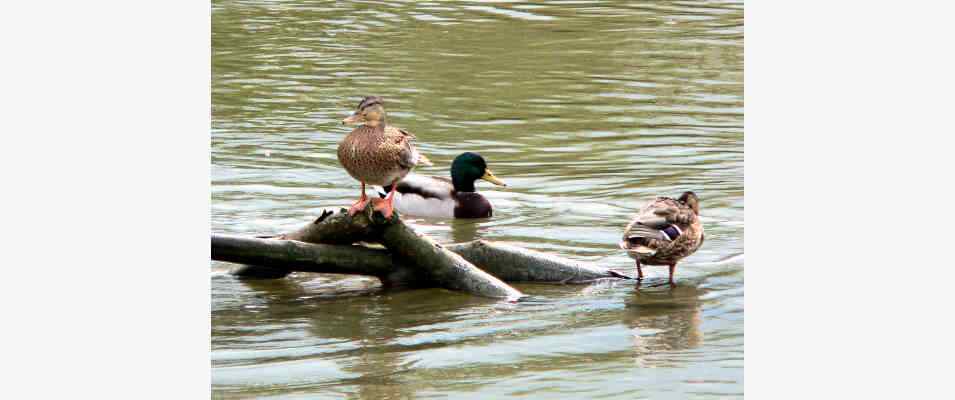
337 228
328 228
284 256
411 259
299 256
443 266
409 248
515 264
507 263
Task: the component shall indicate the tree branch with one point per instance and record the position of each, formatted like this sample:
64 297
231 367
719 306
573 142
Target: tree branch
444 266
411 259
506 262
516 264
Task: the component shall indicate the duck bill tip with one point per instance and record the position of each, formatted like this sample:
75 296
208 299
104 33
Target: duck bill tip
489 176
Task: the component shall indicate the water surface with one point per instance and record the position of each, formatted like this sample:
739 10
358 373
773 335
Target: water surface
586 109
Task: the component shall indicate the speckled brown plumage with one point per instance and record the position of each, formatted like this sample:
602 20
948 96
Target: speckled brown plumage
378 155
644 240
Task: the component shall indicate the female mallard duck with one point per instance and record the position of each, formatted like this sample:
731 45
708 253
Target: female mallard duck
447 198
664 232
376 153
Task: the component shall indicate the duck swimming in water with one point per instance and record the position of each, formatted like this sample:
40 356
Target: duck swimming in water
376 153
664 232
447 198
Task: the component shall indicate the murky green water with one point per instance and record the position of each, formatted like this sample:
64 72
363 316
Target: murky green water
587 109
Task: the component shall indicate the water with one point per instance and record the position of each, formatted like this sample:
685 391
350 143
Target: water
586 109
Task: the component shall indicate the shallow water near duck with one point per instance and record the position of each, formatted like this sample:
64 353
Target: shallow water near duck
586 109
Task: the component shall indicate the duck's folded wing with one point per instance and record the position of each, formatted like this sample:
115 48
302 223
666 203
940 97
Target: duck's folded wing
406 133
424 186
675 215
637 230
655 226
408 155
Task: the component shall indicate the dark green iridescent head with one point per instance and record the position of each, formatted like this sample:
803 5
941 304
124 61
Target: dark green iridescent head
469 167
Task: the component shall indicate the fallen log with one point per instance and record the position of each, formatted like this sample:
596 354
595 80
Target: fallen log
328 228
293 255
411 259
337 228
507 263
444 266
407 247
269 258
516 264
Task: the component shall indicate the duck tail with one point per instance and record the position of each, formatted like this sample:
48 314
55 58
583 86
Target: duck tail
637 245
423 160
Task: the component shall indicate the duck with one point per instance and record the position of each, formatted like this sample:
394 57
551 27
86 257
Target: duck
440 197
664 232
375 153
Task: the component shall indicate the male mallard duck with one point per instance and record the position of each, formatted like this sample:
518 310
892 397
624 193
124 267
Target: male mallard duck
664 232
376 153
447 198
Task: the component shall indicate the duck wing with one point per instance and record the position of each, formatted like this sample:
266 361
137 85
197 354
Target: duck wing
403 141
425 186
665 219
673 212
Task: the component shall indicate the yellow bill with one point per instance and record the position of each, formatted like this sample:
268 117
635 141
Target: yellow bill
489 176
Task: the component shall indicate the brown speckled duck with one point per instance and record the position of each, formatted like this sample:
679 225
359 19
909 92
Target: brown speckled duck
664 232
376 153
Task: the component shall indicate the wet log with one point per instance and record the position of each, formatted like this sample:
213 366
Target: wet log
442 265
405 246
328 228
338 228
506 262
411 259
271 258
516 264
299 256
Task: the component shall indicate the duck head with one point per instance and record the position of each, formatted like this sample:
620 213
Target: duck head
469 167
690 199
371 112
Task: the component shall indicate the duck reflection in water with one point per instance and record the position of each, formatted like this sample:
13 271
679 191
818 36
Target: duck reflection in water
664 320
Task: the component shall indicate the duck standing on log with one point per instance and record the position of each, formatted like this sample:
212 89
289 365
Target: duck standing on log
376 153
441 197
664 232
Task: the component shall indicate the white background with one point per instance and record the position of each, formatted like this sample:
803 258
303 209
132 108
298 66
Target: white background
848 184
